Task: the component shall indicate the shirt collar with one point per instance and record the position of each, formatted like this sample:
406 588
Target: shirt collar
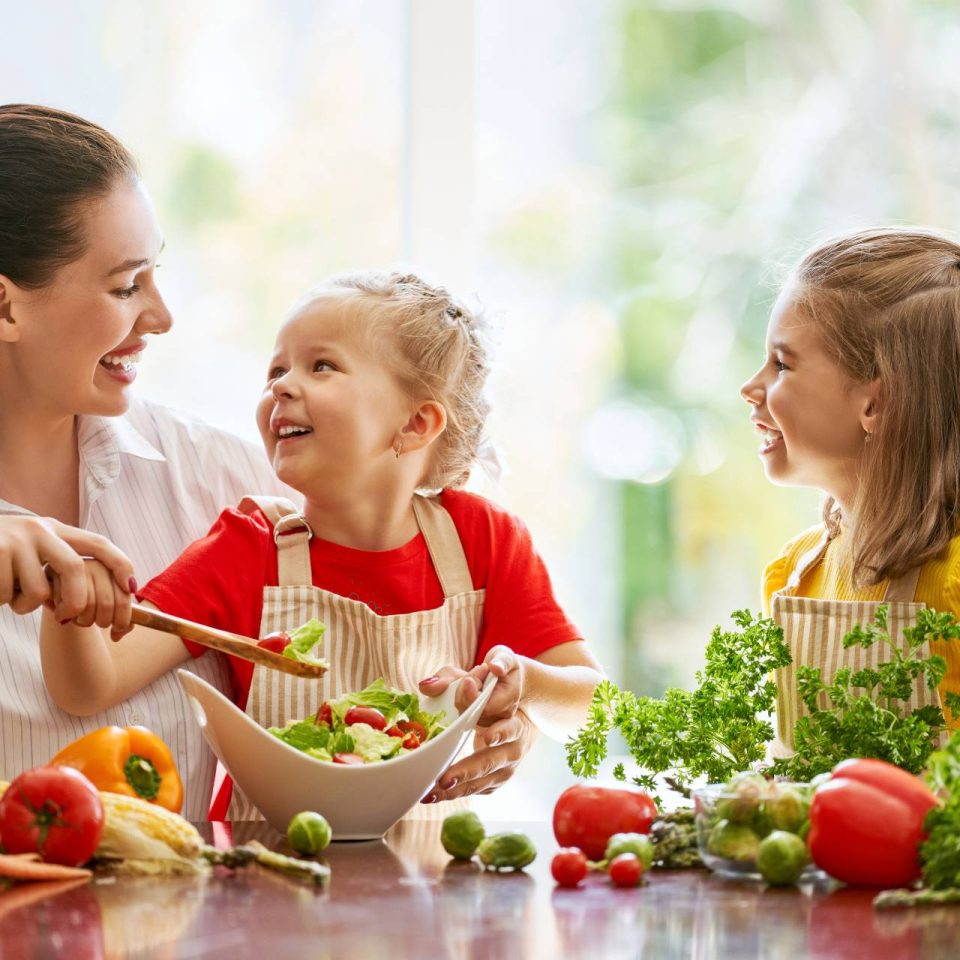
102 440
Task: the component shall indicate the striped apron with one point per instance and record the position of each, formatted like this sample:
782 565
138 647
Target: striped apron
814 628
359 644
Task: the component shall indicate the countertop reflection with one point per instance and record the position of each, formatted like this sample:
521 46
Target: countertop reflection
402 897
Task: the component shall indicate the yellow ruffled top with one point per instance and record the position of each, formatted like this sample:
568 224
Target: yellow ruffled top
938 587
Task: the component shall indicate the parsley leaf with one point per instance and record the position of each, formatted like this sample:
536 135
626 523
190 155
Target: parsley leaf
715 730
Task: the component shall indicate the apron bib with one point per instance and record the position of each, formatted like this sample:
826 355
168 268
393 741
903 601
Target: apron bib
359 644
814 628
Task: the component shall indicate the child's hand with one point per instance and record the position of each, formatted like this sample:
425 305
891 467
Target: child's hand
106 604
503 735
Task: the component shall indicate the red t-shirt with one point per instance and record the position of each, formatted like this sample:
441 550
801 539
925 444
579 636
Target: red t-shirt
219 579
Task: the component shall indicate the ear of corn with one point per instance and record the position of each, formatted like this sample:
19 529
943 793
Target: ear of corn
137 830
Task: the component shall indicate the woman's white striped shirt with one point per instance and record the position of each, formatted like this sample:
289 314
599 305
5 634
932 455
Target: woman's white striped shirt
151 481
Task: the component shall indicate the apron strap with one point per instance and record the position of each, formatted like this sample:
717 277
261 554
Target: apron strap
903 589
291 534
444 546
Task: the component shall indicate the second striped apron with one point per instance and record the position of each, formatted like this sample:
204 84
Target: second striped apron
359 644
814 628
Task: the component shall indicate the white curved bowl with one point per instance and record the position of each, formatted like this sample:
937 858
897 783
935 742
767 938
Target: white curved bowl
362 802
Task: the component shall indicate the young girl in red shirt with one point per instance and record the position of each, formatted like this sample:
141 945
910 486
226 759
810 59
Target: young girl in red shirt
373 410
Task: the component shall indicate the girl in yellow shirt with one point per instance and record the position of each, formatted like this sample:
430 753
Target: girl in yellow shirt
859 396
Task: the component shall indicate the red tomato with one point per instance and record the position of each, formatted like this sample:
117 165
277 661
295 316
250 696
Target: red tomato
395 732
368 715
626 870
411 726
351 759
410 742
569 867
586 817
324 714
53 811
277 641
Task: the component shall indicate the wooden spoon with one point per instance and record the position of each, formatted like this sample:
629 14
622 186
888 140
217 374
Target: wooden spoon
231 643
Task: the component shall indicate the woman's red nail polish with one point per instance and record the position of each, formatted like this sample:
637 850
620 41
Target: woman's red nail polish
430 680
429 798
448 784
132 584
63 623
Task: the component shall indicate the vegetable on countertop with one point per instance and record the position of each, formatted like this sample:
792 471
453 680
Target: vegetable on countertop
713 732
866 824
507 851
55 812
127 760
587 817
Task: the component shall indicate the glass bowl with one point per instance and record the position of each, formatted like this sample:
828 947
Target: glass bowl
733 818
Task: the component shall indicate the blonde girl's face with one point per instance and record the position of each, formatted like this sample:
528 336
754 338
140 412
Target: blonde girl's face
812 418
331 407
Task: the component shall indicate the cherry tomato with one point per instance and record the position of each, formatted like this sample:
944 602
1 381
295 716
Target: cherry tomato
395 732
410 742
626 870
368 715
411 726
53 811
569 867
324 714
586 817
351 759
277 641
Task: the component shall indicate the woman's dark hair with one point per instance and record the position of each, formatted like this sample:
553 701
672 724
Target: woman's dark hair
51 164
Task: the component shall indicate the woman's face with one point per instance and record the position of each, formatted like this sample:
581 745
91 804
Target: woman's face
73 346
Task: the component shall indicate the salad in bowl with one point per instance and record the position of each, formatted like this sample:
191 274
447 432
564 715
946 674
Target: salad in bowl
368 726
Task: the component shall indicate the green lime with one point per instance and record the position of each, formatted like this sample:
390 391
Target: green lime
309 833
781 858
461 834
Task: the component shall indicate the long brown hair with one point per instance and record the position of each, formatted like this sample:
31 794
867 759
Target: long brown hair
51 164
887 305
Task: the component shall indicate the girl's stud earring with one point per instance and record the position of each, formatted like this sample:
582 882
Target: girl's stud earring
398 449
867 436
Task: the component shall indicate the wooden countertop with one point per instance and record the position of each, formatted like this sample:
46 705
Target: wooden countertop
404 898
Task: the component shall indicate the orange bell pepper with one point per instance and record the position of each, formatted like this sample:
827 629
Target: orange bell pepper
128 760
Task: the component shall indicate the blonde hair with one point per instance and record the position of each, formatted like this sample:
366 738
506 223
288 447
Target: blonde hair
441 354
887 306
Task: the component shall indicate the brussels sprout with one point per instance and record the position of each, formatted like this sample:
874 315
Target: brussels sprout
637 843
781 858
733 841
742 797
309 833
505 851
461 834
787 808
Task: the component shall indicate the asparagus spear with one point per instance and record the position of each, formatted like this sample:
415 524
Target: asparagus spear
891 899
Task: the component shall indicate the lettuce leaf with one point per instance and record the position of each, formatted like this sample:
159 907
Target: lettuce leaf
302 642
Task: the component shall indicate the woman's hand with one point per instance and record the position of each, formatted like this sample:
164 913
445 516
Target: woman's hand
28 544
504 733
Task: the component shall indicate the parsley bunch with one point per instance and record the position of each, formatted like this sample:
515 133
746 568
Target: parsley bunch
873 723
940 852
715 731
